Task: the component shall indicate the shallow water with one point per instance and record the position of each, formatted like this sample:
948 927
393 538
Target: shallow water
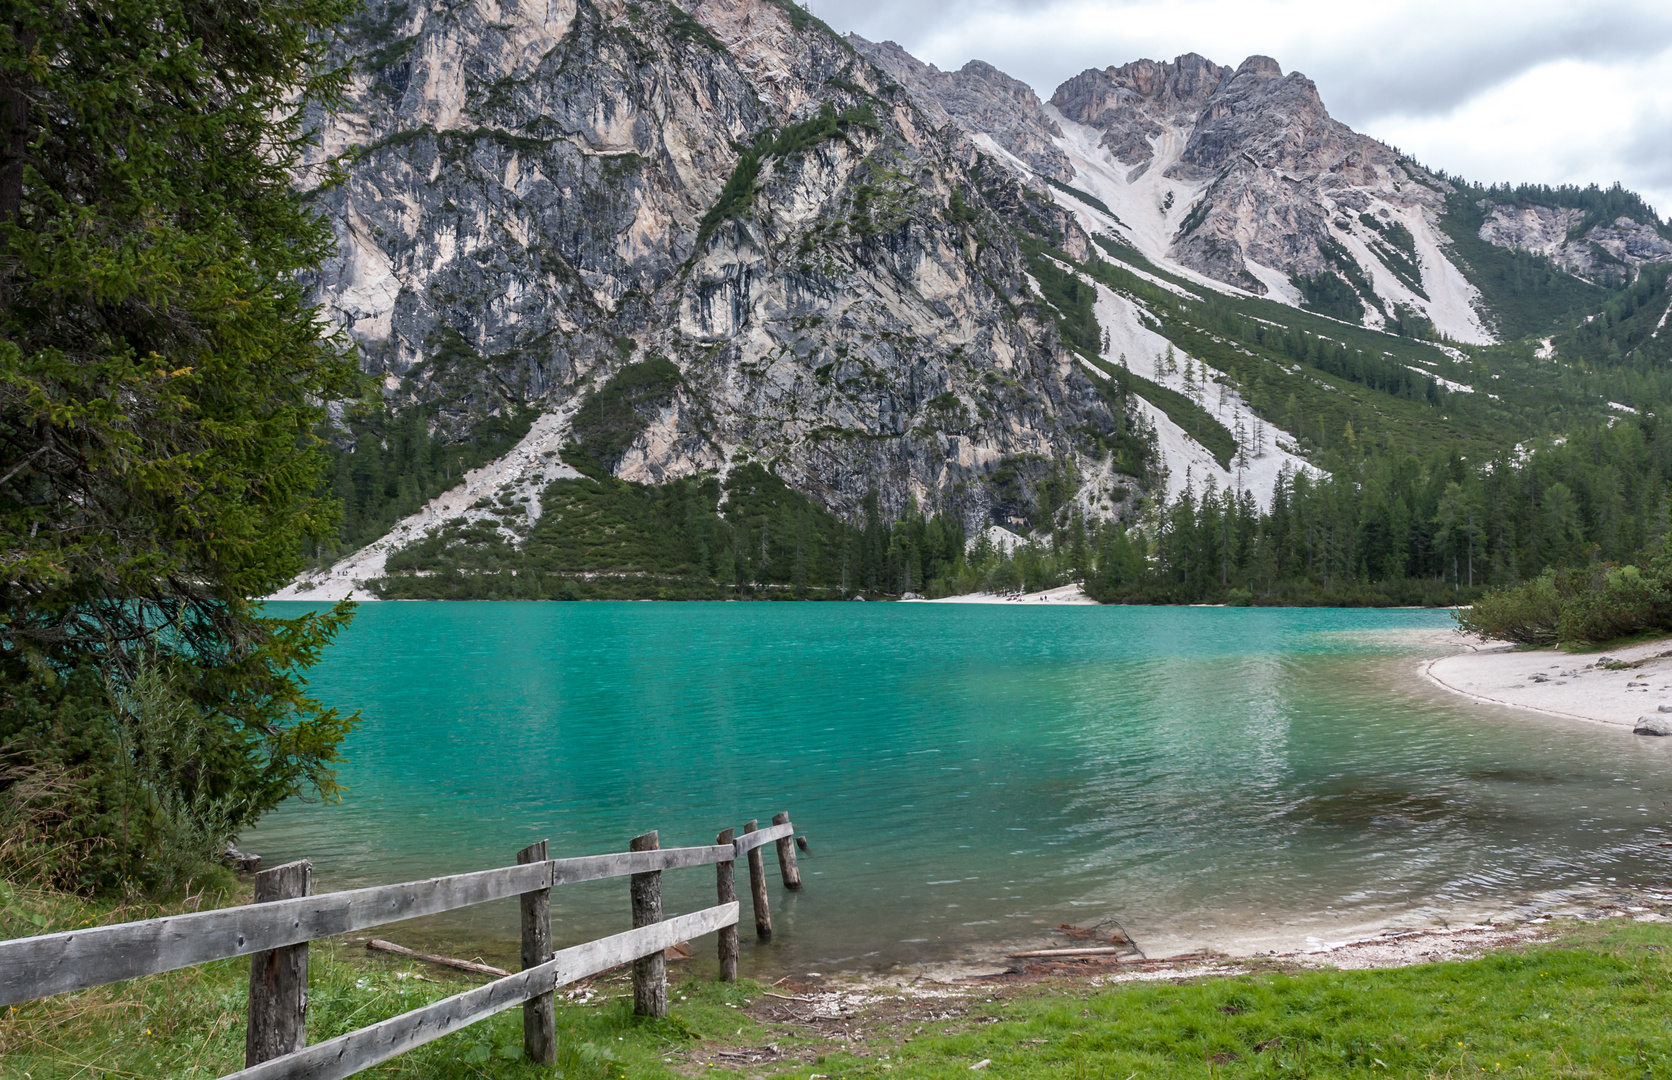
969 776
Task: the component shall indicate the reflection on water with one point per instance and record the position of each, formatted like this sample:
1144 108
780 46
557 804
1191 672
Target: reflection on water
972 775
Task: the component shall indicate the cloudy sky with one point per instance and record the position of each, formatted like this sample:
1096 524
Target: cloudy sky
1487 89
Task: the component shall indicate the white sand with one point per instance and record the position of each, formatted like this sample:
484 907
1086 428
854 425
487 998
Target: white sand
1574 686
1065 594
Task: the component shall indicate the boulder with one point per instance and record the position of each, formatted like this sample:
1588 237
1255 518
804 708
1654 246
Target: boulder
242 861
1653 725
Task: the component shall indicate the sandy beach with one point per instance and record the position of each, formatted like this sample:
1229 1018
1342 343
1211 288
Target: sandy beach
1065 594
1612 688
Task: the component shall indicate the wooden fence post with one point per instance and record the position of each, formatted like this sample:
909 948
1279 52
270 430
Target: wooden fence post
725 880
650 973
790 872
539 1013
757 888
277 1023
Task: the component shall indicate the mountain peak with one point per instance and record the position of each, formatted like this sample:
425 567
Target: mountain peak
978 97
1261 65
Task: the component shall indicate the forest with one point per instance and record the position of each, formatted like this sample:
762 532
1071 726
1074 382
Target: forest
1421 493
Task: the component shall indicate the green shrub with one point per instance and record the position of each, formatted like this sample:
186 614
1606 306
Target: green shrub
1610 602
1528 614
618 412
1577 606
138 796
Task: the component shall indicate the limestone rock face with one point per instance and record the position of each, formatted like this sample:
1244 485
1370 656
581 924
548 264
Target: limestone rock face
1264 175
549 189
1608 253
1238 175
1134 103
980 99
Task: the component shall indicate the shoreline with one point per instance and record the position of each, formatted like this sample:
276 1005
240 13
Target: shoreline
1063 595
1611 689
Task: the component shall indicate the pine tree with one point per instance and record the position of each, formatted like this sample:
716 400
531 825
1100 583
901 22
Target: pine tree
161 374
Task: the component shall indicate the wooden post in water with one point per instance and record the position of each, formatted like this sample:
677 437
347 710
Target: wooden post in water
757 888
790 872
539 1013
277 1022
725 880
650 973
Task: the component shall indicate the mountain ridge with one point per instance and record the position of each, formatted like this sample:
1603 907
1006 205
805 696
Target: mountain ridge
873 277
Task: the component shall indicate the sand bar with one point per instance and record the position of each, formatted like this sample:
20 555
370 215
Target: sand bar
1578 686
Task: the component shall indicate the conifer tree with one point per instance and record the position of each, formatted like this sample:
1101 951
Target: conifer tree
161 374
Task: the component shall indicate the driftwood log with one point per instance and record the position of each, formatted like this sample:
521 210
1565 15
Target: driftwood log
378 945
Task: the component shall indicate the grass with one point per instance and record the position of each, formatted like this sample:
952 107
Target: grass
1527 293
1349 374
1639 638
189 1024
1593 1003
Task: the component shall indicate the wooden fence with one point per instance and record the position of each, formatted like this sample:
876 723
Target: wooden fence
275 930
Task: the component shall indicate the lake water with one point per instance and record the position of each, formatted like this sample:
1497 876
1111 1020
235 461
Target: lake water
969 776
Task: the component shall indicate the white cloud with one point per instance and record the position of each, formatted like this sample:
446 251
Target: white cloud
1500 90
1565 122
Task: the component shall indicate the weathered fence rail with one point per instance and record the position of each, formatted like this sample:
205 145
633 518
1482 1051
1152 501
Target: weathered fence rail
275 932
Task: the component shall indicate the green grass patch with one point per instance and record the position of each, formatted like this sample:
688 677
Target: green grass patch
1592 1008
189 1024
1526 293
1084 196
1592 1004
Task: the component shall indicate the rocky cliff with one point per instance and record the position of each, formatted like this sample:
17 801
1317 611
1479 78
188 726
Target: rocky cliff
731 237
1242 176
1238 176
547 190
997 110
1608 252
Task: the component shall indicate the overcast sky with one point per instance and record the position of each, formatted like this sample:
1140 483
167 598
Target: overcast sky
1524 90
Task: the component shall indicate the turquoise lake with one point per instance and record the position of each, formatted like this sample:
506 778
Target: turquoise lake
969 776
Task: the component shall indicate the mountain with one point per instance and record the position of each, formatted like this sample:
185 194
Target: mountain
545 195
625 269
